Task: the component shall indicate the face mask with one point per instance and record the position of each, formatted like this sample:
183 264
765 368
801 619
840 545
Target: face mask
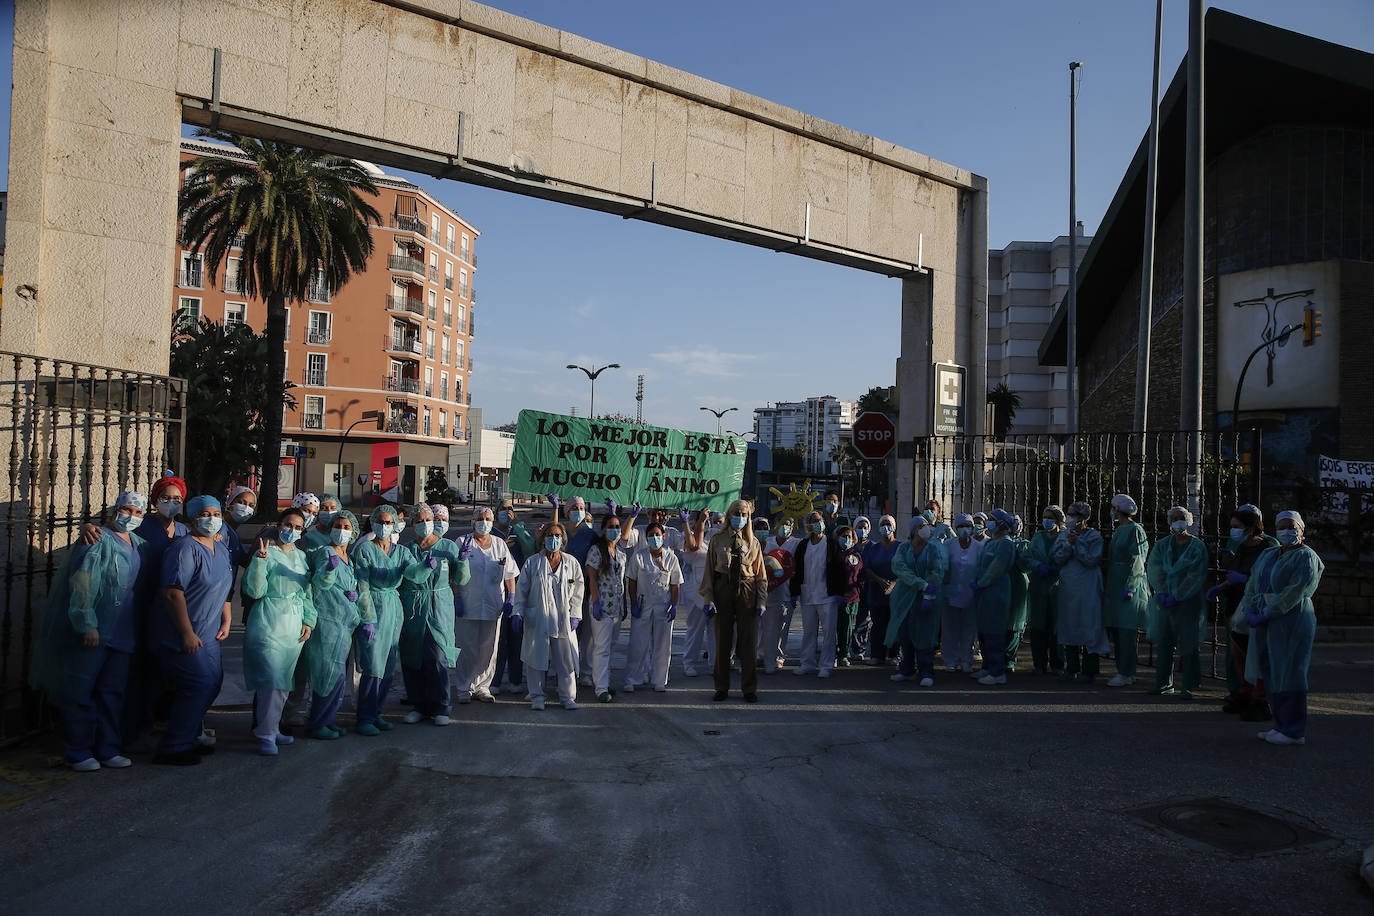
1178 527
169 508
885 530
440 527
979 529
965 531
241 512
505 517
482 526
863 533
384 531
737 521
832 508
326 518
288 535
576 516
926 532
1237 534
125 522
1073 521
1049 523
1288 537
929 515
846 543
424 529
553 543
340 536
655 542
613 534
784 532
209 525
309 521
818 527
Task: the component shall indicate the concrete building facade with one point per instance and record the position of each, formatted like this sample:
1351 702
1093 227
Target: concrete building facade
396 338
815 426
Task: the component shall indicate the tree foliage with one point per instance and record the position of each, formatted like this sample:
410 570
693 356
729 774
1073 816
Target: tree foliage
1005 403
879 399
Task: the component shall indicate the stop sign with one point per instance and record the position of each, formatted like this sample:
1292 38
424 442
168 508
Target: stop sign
874 434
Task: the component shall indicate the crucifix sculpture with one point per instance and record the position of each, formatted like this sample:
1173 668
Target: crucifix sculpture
1271 305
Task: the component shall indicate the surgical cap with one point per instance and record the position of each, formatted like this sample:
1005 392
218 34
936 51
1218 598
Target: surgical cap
131 498
352 519
305 501
917 524
887 519
199 504
440 511
1081 509
165 481
1057 512
1291 513
1004 519
1187 516
384 507
978 515
1250 515
1123 503
862 518
234 493
760 523
963 520
416 509
326 497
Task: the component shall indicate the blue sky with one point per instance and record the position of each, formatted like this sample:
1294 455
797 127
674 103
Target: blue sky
981 84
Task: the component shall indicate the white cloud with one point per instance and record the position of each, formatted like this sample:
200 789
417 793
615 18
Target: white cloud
702 361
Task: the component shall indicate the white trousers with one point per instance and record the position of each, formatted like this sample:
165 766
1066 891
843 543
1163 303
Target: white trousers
605 632
700 636
958 630
267 709
563 659
637 656
818 635
773 632
660 647
477 660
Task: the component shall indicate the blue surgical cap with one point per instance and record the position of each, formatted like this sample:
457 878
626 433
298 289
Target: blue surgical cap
199 504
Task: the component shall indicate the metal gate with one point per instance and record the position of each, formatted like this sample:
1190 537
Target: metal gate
1024 474
76 436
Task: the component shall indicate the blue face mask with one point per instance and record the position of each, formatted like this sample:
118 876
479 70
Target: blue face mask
818 527
612 534
553 543
1178 527
340 536
309 521
885 530
326 518
440 527
125 522
863 533
1288 537
288 535
1237 535
929 514
1049 523
965 531
169 508
738 521
979 529
482 526
832 508
384 531
655 541
846 543
505 517
209 525
576 516
241 512
424 529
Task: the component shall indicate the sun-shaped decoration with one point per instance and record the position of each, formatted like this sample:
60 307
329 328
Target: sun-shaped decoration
794 504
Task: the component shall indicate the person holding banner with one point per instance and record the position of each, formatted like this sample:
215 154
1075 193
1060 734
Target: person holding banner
699 642
547 602
607 563
654 583
777 620
480 607
735 590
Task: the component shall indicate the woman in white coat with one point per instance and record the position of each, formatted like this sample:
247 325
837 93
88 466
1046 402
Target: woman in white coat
654 582
479 606
548 602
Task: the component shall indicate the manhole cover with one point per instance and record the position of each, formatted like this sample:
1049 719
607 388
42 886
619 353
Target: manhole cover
1230 827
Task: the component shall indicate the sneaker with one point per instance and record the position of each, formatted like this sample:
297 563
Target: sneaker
368 729
413 716
1264 735
989 680
483 696
629 687
284 740
569 704
206 738
463 699
441 720
117 762
338 730
605 696
751 698
1160 691
1057 672
842 663
658 689
385 725
688 672
537 704
951 668
927 682
899 676
514 688
824 672
976 675
720 695
1277 737
1120 680
803 672
324 733
267 748
89 765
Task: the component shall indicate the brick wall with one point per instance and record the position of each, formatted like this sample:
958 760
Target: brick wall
1346 595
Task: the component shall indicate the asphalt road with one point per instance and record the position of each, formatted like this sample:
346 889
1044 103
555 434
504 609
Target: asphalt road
853 794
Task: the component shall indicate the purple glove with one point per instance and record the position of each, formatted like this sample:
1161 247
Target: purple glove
333 561
762 611
672 612
369 631
636 610
1128 594
517 623
927 604
508 606
597 612
1042 569
611 506
635 510
1214 592
574 623
1236 578
459 609
352 596
685 517
1168 600
709 609
431 562
553 500
932 588
1256 618
465 548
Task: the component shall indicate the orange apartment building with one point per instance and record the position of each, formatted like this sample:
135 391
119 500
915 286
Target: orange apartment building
397 338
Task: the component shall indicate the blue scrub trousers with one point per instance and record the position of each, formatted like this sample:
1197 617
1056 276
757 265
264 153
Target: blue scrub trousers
90 726
196 680
1285 652
324 707
427 686
879 613
508 655
994 652
372 691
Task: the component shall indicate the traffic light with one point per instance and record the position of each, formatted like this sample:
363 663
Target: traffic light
1311 325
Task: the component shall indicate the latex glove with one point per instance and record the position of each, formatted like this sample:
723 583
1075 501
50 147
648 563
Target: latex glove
762 611
709 609
517 623
352 596
932 588
635 510
431 562
636 609
685 517
1042 569
553 500
927 604
369 631
597 612
1256 618
611 506
1168 600
507 606
1214 592
333 561
459 608
465 549
574 623
1236 578
1128 594
672 612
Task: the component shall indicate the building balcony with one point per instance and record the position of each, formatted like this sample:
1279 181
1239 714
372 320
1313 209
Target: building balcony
448 282
448 319
238 241
314 421
406 385
235 285
465 254
319 292
405 264
468 401
191 279
472 295
443 391
429 351
405 304
435 237
313 378
319 337
449 246
433 273
407 224
408 346
429 391
401 425
432 312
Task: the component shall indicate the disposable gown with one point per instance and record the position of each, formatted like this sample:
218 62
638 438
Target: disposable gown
379 576
914 572
336 617
993 574
1043 590
1126 572
427 601
1019 573
1281 585
1080 591
1180 571
279 585
544 617
94 588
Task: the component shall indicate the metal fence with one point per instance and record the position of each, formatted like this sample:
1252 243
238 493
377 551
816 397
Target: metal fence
76 435
1024 474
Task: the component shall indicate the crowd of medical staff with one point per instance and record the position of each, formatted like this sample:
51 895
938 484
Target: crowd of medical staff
331 607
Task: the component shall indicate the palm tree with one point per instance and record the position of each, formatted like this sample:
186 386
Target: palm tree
299 218
1004 403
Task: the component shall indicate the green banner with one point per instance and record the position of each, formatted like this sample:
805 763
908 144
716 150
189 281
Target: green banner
594 459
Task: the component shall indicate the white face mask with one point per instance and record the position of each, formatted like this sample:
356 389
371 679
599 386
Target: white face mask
926 532
576 516
1178 527
424 529
482 526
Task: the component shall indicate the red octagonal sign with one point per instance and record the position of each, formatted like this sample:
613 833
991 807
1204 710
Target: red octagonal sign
874 434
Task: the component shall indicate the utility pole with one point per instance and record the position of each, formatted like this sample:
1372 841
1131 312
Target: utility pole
1190 387
1147 257
1071 370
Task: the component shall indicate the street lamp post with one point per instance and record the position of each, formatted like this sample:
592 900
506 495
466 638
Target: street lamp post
591 377
375 415
719 414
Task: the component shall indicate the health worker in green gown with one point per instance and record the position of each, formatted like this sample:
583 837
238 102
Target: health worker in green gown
1177 571
380 565
338 615
1020 589
992 595
427 649
1042 595
1126 596
1078 555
